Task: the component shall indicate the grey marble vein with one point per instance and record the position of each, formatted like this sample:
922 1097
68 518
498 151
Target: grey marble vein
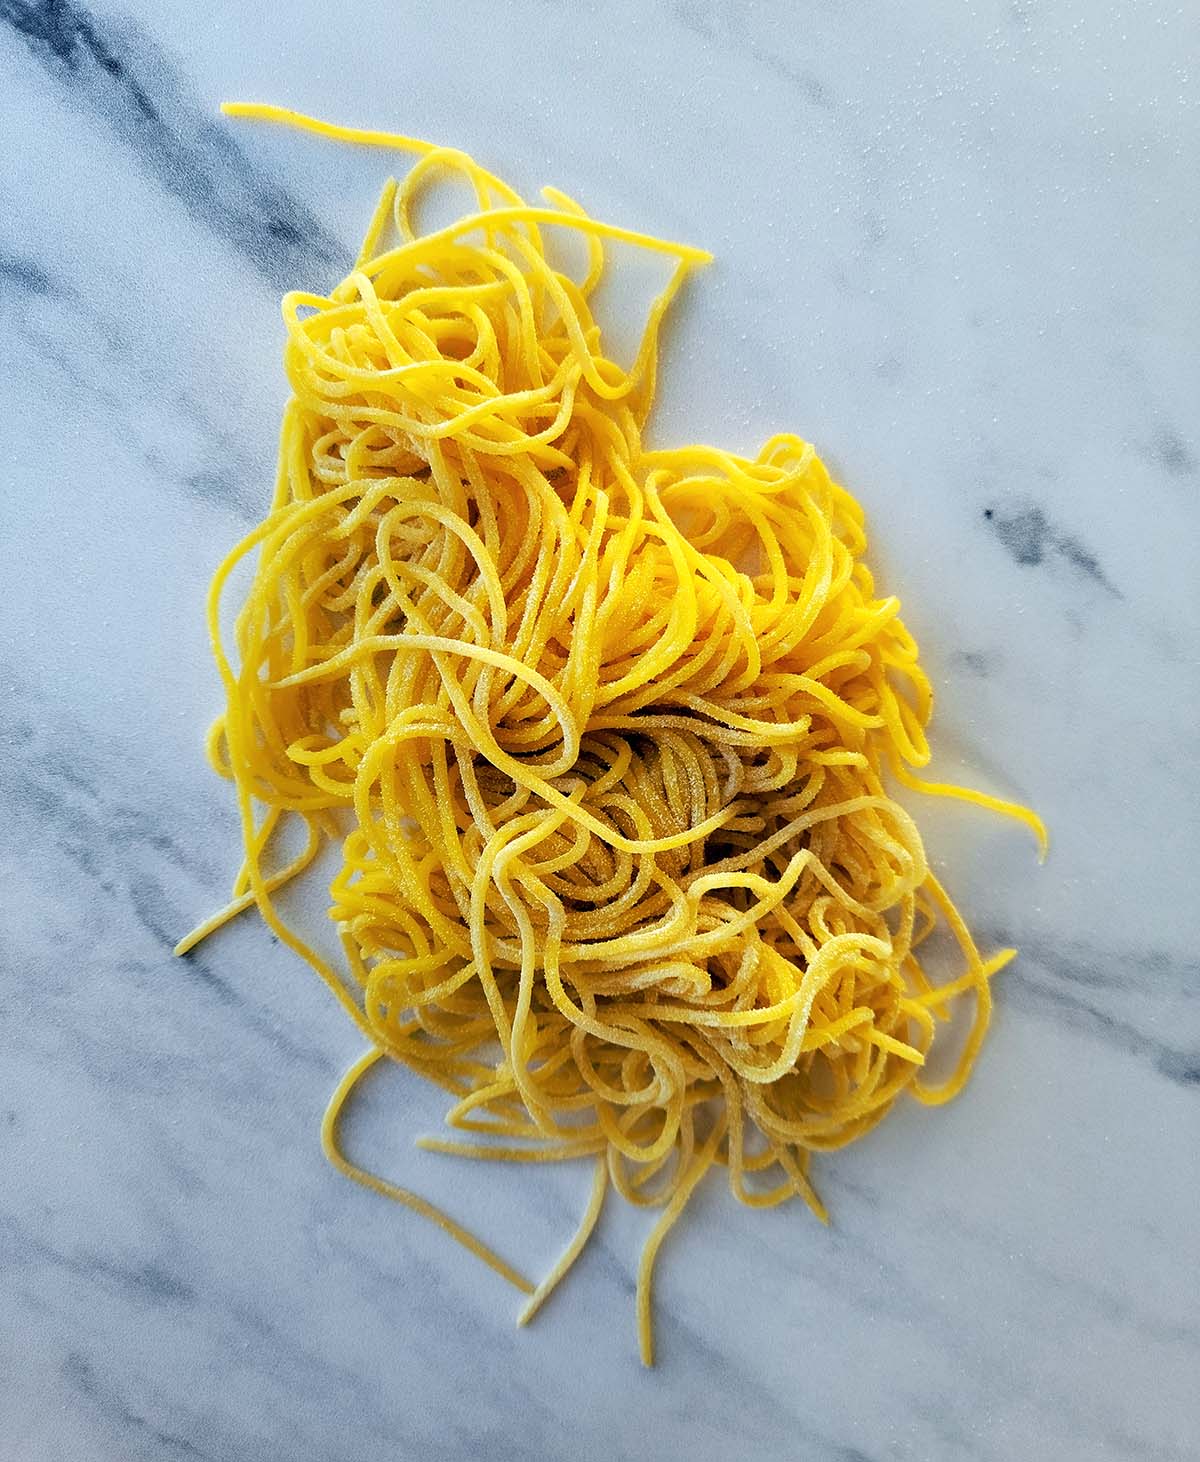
128 83
1172 453
1176 1063
140 1280
20 276
1029 536
954 248
85 343
1145 1002
80 1374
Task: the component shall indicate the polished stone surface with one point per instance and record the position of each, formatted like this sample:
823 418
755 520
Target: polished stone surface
955 248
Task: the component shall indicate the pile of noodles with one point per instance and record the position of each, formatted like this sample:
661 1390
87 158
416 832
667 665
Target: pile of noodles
609 731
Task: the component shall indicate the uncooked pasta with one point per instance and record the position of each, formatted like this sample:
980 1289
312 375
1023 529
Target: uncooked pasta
606 733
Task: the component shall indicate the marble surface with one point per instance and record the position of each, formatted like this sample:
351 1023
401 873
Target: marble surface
956 248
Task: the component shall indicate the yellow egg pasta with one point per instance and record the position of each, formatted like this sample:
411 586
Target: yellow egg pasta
605 733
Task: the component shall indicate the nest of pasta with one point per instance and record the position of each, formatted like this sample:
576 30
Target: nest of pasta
603 731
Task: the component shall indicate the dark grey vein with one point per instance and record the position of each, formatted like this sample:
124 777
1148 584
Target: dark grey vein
79 1373
1104 989
706 23
159 917
1076 963
1169 451
118 75
974 662
22 276
147 1281
120 848
97 361
1029 538
1042 981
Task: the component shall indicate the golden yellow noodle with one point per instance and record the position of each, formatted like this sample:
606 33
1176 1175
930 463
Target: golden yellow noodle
604 731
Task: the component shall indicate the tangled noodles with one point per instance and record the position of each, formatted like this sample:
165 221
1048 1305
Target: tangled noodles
604 731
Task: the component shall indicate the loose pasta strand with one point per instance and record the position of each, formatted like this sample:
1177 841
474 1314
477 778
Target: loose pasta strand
329 1128
573 1250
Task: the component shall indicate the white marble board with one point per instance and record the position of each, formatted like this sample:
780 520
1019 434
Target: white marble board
956 247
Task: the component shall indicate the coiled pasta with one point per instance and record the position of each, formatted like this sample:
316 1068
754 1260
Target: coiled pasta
605 732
